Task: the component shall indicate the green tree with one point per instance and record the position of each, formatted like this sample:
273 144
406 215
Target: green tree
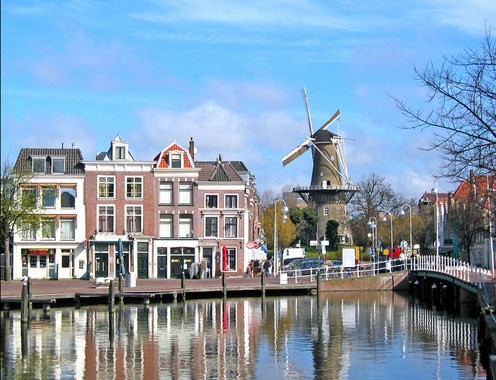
332 234
18 209
305 220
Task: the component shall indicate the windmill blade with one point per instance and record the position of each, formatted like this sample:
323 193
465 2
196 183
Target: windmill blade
305 98
295 153
330 121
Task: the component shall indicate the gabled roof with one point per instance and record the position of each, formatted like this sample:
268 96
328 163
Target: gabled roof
479 183
219 171
73 159
163 157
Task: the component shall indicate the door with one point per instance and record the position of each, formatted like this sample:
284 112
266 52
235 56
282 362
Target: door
162 266
142 265
101 264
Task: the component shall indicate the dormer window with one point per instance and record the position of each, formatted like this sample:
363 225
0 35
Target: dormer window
120 152
175 160
58 165
39 165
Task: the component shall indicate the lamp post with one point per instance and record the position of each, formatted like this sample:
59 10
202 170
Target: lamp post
373 225
402 212
277 260
391 241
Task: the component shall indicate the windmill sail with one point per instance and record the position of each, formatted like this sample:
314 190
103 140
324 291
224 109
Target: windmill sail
295 153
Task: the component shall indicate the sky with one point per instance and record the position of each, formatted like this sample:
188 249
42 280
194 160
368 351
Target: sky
230 75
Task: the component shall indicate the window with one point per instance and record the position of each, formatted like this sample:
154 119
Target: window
165 228
211 201
105 218
106 187
165 193
29 197
231 259
58 165
48 197
43 261
175 160
28 231
326 210
67 229
39 165
134 186
66 261
67 197
186 193
48 229
134 218
231 227
120 153
186 226
33 261
231 201
211 226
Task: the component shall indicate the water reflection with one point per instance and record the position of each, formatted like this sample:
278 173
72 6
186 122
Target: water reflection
334 336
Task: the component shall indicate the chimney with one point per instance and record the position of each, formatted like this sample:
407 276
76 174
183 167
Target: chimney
192 148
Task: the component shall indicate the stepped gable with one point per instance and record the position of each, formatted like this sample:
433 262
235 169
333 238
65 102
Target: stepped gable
73 159
163 157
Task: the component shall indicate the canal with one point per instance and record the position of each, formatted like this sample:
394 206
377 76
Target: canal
372 335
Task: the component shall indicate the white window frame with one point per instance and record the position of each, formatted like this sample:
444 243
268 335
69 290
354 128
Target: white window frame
326 210
28 231
120 148
233 196
186 193
69 190
228 227
175 156
104 181
106 215
133 182
211 234
166 226
185 226
44 235
52 189
26 189
137 219
212 197
165 192
72 231
38 159
63 165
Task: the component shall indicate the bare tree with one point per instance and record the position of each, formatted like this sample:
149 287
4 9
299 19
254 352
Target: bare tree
461 110
374 196
18 209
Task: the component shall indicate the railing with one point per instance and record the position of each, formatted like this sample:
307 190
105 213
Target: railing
441 264
452 267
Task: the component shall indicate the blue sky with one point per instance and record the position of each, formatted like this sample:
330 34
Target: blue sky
230 74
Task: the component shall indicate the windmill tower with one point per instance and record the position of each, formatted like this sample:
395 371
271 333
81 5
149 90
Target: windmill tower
331 188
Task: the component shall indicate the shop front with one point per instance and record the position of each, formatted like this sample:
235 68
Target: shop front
39 263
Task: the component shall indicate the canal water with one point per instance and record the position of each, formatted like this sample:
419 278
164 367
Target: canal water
375 335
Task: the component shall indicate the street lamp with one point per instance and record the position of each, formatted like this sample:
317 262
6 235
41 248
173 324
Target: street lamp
391 245
373 225
402 212
285 209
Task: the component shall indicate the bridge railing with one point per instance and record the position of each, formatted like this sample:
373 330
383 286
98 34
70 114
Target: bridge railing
451 266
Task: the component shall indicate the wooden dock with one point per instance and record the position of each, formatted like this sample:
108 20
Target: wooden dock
77 293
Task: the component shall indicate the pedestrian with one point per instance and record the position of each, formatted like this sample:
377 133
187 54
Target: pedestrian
266 267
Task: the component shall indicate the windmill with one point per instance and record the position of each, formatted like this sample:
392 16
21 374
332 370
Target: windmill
331 188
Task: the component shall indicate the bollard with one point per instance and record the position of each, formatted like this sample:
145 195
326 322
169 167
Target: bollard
111 299
262 279
120 284
318 281
183 280
24 303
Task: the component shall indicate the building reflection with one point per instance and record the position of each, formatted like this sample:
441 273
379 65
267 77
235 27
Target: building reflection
310 336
